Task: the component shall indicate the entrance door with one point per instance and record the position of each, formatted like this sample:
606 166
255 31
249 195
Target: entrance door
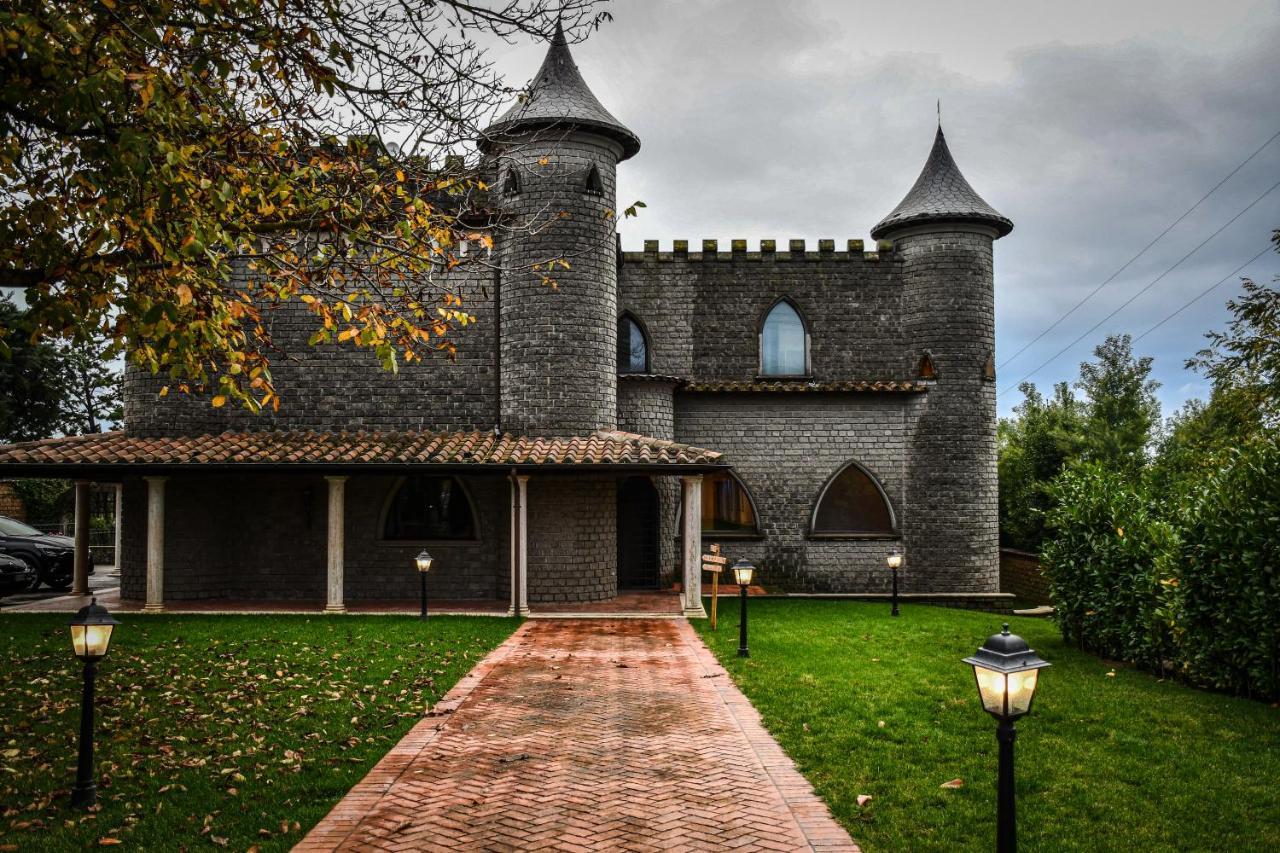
637 534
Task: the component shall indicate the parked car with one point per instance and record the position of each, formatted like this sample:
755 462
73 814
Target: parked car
15 575
52 556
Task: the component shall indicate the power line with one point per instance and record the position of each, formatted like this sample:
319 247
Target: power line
1112 277
1150 285
1203 294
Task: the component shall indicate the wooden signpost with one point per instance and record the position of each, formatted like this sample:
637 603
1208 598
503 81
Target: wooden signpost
715 564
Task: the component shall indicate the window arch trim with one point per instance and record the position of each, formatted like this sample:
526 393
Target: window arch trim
808 338
894 531
648 344
389 501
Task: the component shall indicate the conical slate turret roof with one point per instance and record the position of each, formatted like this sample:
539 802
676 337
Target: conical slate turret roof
559 97
941 194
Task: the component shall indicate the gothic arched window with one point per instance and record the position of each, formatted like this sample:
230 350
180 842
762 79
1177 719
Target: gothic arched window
426 508
726 505
784 342
852 502
633 346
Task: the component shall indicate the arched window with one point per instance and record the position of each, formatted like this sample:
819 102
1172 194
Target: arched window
633 346
852 503
594 185
784 342
726 506
426 508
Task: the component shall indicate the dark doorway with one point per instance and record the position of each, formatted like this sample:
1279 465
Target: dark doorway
637 534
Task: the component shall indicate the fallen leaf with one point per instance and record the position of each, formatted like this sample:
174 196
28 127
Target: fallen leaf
880 724
954 783
863 799
109 842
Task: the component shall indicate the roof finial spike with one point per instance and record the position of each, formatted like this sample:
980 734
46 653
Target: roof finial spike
559 38
939 113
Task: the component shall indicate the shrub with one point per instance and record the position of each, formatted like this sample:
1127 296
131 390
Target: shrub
1226 615
1105 562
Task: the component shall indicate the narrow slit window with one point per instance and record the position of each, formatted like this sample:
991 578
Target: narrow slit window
511 183
594 185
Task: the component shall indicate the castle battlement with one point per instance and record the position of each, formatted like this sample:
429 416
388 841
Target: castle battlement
796 250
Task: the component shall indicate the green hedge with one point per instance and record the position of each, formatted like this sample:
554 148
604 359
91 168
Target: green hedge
1105 563
1192 588
1226 615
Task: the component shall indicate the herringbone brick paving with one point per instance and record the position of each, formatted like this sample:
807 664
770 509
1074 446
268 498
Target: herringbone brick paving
585 735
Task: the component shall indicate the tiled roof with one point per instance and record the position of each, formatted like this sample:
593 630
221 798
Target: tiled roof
799 386
941 194
649 377
559 97
353 449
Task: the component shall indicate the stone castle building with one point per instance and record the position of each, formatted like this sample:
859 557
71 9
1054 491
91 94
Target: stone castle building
805 407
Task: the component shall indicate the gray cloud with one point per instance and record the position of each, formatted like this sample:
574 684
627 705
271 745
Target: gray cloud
1091 126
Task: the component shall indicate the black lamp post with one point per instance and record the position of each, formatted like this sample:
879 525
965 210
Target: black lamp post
423 562
91 629
1006 670
895 562
742 572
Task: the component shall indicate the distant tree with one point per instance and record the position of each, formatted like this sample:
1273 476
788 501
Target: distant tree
1035 446
1246 357
150 150
1123 413
48 389
32 382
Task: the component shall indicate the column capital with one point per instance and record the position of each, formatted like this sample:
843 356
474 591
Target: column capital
337 478
691 478
522 478
155 478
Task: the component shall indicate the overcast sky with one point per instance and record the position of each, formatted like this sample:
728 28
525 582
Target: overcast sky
1092 125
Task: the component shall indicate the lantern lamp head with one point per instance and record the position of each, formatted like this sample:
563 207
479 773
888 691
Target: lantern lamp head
423 561
895 558
91 629
743 571
1006 670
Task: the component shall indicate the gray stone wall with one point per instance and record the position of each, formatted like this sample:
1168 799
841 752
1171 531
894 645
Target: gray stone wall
573 538
645 406
785 447
559 344
264 537
341 387
703 310
950 310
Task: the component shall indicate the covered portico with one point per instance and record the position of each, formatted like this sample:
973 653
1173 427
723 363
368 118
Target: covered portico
189 493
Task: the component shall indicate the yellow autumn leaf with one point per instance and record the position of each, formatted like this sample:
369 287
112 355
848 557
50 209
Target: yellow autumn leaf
184 295
400 176
219 401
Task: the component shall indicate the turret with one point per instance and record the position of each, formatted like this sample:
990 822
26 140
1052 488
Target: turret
944 231
555 156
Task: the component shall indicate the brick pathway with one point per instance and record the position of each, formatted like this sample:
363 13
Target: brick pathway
586 735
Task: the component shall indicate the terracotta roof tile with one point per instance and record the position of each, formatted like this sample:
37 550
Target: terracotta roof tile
355 449
793 386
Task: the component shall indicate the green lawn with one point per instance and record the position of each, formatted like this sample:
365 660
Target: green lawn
223 731
1109 759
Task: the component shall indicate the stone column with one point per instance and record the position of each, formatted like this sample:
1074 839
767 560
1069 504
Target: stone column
337 520
520 543
155 544
80 574
691 539
119 514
